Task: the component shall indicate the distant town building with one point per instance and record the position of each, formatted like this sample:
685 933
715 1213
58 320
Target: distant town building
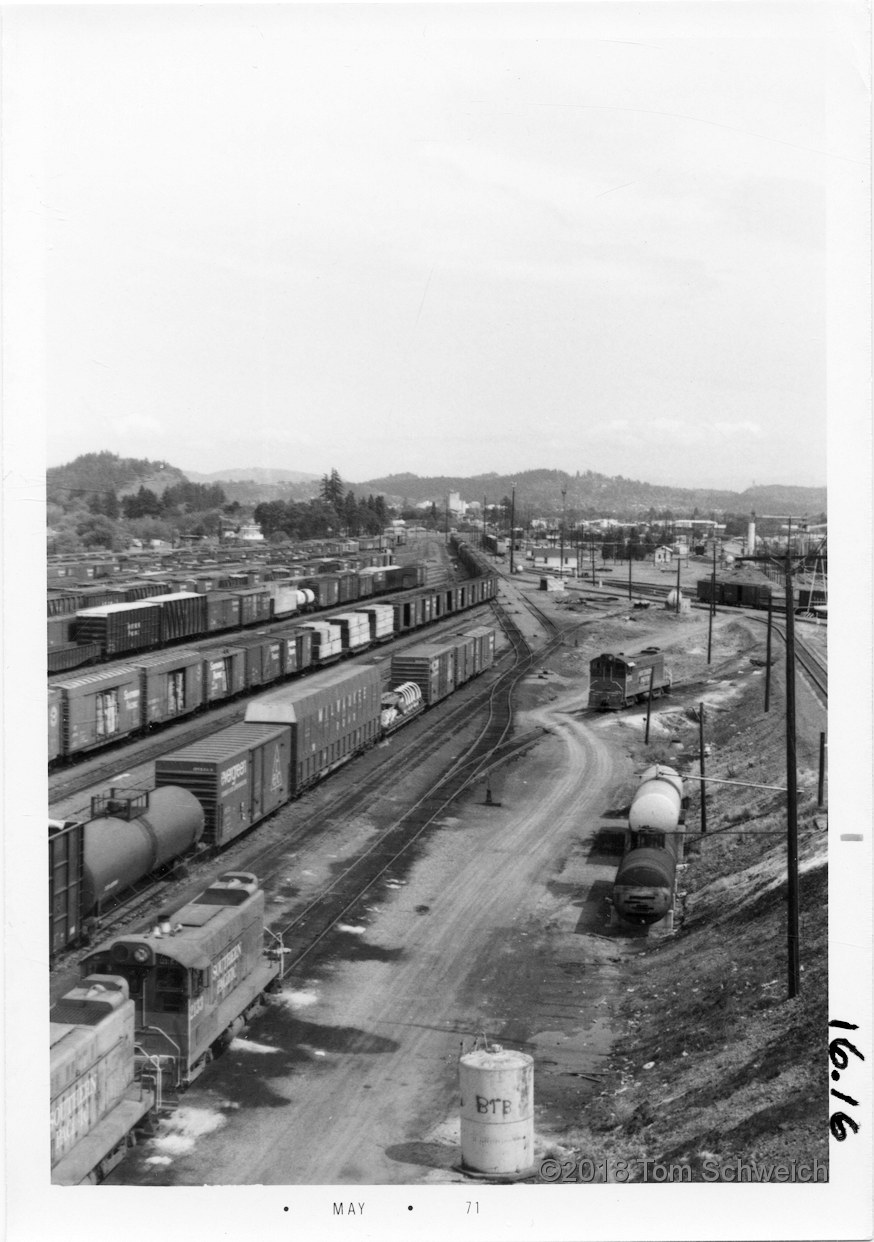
663 555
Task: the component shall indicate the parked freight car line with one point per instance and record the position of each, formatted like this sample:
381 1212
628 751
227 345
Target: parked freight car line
223 785
102 706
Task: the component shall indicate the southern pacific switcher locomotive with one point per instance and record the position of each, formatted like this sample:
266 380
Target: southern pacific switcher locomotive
620 680
151 1012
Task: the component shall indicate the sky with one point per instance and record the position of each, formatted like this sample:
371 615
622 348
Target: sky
437 239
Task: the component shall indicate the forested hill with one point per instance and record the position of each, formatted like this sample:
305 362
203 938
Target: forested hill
598 493
107 472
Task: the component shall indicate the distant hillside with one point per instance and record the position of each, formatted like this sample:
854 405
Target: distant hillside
254 474
107 472
541 490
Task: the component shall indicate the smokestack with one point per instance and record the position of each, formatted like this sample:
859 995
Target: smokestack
751 535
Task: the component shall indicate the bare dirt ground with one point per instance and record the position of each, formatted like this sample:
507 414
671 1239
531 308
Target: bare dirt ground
660 1046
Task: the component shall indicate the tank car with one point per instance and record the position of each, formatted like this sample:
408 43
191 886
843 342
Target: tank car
643 889
196 978
96 1102
131 834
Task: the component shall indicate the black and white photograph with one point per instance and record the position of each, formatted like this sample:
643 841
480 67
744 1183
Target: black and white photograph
424 422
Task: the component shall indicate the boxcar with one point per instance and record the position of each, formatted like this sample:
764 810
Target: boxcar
73 655
55 706
333 715
222 611
183 615
170 685
224 672
66 877
120 628
484 647
430 666
238 775
254 605
99 707
264 659
297 650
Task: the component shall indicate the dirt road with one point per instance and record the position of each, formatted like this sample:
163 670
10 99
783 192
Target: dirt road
351 1077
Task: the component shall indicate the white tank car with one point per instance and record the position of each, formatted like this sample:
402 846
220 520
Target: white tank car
657 802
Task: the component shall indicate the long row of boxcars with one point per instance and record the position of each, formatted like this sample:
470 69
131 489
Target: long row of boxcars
97 708
758 595
120 621
208 793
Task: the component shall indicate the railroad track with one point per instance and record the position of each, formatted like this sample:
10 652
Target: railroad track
441 724
313 925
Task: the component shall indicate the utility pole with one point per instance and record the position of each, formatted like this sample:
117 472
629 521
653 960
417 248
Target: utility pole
561 552
712 602
794 975
512 524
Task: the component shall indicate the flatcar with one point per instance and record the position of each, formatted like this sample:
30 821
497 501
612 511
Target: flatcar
643 889
619 680
196 978
97 1103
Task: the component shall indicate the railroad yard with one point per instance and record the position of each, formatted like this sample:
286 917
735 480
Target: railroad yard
417 915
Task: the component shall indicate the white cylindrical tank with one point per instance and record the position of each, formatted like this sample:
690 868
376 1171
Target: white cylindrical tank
751 537
497 1110
657 802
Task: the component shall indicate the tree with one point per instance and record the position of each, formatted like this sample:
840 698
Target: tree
331 489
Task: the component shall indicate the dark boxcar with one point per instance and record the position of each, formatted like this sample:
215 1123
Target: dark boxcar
706 591
263 658
183 615
120 628
55 705
430 665
60 631
254 605
66 873
238 775
297 650
394 577
325 589
222 611
98 707
413 576
731 593
73 655
754 594
224 672
171 685
348 587
333 715
131 591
